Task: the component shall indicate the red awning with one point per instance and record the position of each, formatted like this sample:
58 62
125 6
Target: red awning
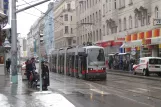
109 43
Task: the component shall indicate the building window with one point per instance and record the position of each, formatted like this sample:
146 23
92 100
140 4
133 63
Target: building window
100 15
96 17
107 6
66 29
148 20
71 30
68 6
97 35
130 2
136 20
107 28
130 22
115 4
104 10
110 5
143 18
104 30
120 25
100 34
90 19
122 3
71 18
156 12
66 17
93 18
124 23
94 39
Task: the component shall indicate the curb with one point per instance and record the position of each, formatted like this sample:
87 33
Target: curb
134 76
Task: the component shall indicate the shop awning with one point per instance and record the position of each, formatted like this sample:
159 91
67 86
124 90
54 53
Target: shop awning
131 44
156 40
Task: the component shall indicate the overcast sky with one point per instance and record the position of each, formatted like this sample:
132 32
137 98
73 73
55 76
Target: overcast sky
24 20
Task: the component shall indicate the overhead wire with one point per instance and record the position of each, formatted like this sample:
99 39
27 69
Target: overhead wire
42 12
26 3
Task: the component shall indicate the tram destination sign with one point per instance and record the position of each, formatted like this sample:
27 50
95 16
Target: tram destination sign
156 22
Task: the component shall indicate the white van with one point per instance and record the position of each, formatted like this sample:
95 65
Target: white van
147 65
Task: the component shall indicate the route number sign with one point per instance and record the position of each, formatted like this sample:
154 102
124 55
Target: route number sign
156 22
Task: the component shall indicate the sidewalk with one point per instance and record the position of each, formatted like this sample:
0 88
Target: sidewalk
130 74
19 95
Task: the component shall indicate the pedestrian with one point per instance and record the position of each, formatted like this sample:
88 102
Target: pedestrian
8 64
27 69
45 74
33 65
132 61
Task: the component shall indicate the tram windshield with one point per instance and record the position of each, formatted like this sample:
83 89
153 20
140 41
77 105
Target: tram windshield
96 57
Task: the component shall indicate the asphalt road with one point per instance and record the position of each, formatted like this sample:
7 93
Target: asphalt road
116 91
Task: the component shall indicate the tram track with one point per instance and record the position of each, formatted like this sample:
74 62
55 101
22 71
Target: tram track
115 89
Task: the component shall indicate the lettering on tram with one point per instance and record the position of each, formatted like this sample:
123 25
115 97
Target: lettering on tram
85 62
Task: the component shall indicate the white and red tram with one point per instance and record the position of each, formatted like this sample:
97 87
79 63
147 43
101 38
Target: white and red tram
86 62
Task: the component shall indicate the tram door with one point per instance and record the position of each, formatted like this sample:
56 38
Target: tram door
67 65
76 66
72 66
54 63
59 63
62 68
82 67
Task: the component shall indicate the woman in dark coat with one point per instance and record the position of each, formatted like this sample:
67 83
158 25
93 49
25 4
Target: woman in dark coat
45 75
27 69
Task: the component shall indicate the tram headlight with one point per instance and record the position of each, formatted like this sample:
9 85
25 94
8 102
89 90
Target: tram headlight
90 69
103 68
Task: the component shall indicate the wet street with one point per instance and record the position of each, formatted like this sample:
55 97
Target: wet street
117 91
65 91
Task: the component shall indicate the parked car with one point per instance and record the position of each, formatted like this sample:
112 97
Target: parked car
148 65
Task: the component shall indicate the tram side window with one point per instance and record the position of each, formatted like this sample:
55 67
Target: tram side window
76 61
84 63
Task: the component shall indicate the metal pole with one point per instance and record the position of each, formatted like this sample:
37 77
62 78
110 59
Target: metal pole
14 77
40 72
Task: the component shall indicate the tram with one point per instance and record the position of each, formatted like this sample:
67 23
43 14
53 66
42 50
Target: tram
85 62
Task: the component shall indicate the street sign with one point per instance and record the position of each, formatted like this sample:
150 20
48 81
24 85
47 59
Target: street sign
133 51
156 22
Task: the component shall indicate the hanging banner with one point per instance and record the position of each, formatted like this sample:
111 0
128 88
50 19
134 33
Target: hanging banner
5 6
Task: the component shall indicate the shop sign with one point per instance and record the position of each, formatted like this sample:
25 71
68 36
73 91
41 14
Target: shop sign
133 51
119 39
156 22
156 40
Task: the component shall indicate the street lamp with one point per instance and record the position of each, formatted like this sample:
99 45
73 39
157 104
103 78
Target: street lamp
6 44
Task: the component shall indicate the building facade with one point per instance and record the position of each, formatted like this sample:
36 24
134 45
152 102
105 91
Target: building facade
32 37
129 25
64 23
89 21
49 29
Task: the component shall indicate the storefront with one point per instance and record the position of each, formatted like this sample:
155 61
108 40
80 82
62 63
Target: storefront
111 47
143 44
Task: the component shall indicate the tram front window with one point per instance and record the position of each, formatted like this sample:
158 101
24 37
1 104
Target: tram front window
96 57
